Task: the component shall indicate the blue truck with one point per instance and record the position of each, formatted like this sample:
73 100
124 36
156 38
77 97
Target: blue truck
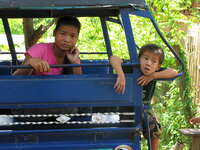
104 119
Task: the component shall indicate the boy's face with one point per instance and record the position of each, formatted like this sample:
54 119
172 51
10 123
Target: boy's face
66 37
149 63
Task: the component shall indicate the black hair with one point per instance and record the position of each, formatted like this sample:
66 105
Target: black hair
68 20
153 48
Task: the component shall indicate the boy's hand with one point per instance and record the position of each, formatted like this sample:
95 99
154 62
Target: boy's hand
120 84
73 55
39 65
144 80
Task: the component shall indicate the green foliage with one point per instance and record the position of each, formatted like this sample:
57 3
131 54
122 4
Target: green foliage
92 40
15 26
4 47
171 111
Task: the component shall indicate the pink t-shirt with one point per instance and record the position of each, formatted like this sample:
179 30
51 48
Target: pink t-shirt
45 52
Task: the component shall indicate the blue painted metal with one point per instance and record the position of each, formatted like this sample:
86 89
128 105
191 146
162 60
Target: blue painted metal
52 8
59 91
89 64
106 36
129 35
41 4
89 138
49 90
10 40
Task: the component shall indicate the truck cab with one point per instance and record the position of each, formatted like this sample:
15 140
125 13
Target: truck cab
38 106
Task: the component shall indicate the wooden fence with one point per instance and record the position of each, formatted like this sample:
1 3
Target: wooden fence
192 43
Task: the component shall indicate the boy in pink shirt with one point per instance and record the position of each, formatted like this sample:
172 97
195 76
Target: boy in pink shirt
41 56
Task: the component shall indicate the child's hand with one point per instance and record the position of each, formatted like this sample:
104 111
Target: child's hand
195 120
73 55
120 84
144 80
39 65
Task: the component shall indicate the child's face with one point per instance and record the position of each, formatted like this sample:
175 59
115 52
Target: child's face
149 63
66 37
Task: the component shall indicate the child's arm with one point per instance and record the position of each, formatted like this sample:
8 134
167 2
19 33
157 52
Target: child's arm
37 64
77 70
23 71
121 81
164 74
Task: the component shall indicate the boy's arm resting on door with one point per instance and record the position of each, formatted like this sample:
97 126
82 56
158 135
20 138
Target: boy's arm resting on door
162 74
24 71
116 62
37 64
121 80
165 74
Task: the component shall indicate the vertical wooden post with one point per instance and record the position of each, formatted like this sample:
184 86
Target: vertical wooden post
28 31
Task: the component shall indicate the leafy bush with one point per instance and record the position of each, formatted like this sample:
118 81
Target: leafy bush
15 26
